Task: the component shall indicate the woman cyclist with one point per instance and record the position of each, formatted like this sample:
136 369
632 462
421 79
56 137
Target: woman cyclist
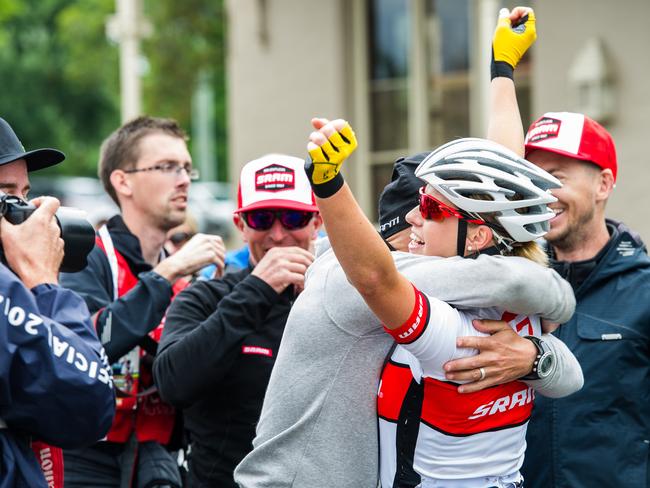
479 198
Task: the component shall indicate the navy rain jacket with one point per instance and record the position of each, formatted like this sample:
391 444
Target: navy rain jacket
55 384
599 436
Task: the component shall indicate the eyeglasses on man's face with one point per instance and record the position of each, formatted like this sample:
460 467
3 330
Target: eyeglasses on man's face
169 168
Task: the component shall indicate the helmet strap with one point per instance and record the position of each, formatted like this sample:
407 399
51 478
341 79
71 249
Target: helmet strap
504 245
462 237
488 251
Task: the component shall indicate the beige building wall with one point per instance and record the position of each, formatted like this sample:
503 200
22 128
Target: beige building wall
285 65
289 60
563 29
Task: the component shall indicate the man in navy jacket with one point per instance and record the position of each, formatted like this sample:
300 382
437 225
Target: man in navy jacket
600 435
55 385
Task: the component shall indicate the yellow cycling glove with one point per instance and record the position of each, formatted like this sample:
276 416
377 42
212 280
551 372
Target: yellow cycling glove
324 163
510 43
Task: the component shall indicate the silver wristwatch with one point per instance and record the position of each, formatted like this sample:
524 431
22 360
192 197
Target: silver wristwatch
544 361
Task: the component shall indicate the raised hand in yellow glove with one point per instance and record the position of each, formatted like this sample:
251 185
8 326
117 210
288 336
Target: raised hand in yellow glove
515 33
329 145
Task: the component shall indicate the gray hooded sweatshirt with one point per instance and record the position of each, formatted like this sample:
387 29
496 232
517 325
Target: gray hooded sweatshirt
318 426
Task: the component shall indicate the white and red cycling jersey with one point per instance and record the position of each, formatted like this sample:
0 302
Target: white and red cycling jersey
429 430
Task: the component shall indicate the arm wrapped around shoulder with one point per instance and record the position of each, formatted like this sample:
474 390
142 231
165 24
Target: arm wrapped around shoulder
529 288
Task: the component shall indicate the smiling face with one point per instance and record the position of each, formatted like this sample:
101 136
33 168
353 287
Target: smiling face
581 200
432 237
161 197
261 241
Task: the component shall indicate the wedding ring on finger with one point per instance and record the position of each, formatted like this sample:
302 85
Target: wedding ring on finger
482 371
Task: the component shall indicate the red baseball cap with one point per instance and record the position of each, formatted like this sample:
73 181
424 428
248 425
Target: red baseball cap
573 135
275 181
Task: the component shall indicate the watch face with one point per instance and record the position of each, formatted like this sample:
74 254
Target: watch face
545 364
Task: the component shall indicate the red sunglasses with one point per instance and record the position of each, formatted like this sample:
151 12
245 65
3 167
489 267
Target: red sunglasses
433 209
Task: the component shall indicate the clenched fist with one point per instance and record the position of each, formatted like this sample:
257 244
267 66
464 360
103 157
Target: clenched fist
329 146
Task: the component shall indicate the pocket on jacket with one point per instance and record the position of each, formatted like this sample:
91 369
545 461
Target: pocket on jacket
595 329
615 365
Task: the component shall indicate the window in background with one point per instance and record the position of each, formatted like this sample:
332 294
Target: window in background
389 26
446 38
420 75
418 78
381 174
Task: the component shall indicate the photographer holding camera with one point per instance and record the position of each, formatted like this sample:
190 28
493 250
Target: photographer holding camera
55 385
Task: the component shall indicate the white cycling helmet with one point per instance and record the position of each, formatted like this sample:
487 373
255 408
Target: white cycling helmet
518 190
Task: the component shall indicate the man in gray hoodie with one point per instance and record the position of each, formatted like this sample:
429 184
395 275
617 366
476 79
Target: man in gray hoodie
318 426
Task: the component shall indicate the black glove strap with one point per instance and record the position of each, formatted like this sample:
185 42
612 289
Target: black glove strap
501 69
324 190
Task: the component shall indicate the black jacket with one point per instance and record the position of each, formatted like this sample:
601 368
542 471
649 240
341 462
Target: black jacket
219 344
125 323
133 315
600 436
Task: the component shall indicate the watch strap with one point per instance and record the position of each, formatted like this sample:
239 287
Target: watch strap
541 350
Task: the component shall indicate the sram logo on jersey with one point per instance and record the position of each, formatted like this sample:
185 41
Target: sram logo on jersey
543 129
275 177
503 404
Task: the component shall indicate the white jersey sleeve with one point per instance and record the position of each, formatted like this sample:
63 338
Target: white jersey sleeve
431 331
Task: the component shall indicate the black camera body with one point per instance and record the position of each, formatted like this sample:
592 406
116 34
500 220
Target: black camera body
77 233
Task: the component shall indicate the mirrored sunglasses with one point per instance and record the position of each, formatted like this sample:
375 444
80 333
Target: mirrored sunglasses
263 219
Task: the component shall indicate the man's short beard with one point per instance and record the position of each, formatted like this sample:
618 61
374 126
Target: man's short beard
169 221
575 233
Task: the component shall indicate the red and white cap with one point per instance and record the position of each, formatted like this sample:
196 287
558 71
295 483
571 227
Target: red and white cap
573 135
275 181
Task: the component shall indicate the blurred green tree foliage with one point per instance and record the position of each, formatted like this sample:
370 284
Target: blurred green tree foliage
60 74
188 39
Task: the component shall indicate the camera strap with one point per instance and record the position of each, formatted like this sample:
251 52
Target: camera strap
126 371
105 236
126 380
